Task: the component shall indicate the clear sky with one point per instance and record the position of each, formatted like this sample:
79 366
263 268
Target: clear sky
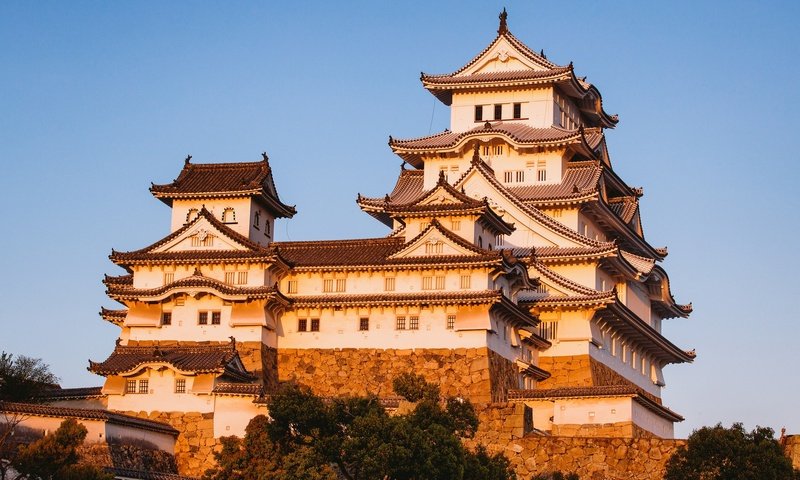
98 99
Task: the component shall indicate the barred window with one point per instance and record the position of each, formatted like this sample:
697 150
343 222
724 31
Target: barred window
169 277
166 318
388 284
327 285
215 318
292 286
427 283
302 323
202 318
466 281
451 322
363 324
400 323
341 284
242 278
143 386
315 324
229 277
413 322
180 385
130 386
455 225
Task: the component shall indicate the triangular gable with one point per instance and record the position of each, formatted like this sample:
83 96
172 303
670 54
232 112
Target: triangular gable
479 180
503 55
444 194
436 240
557 285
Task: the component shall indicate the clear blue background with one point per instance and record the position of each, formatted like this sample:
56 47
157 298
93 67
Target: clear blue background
98 99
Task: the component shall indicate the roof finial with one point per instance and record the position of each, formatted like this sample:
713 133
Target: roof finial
503 25
264 156
188 158
476 155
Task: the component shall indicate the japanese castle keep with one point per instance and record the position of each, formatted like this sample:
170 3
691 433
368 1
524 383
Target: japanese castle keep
514 269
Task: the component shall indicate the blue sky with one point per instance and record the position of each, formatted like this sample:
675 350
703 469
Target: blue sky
101 98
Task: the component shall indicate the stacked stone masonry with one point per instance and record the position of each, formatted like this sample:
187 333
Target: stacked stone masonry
578 371
194 447
504 428
476 373
127 456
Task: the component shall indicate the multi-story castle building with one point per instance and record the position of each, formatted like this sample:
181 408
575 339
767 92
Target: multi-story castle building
515 267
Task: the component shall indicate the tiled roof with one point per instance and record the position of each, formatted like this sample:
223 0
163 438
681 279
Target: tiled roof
71 393
232 388
88 414
432 297
224 180
126 473
127 292
555 253
194 358
642 264
491 77
580 181
369 251
639 395
518 132
114 316
624 208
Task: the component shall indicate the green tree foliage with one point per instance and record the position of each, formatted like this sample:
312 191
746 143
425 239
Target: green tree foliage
719 453
55 456
23 378
414 387
354 438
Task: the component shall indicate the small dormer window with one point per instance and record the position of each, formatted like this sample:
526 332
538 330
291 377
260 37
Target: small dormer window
228 216
192 214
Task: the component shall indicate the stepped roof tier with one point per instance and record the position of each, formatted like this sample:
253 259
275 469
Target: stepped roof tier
583 142
225 180
187 360
119 289
603 391
117 317
514 65
388 253
159 252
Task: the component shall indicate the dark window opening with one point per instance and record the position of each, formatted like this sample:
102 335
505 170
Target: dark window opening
498 111
517 110
478 113
315 324
363 324
302 324
166 318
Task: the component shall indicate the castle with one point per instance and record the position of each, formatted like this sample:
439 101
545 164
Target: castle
515 267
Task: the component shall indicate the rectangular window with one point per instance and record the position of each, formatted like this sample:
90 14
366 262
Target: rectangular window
215 318
413 322
508 177
180 300
499 240
302 324
520 176
440 282
548 330
202 318
478 113
466 281
130 386
498 149
242 278
388 284
315 324
230 277
327 285
400 323
486 149
363 324
541 171
427 283
455 225
434 247
166 318
169 278
341 284
143 386
451 322
498 111
292 286
517 110
180 385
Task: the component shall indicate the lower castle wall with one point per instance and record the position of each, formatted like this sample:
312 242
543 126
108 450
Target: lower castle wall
578 371
503 429
792 449
476 373
195 443
128 456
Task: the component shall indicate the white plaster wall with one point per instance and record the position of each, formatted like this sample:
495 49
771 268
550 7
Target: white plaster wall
652 422
161 396
582 273
241 206
153 277
574 333
233 413
163 441
638 300
625 368
580 411
537 107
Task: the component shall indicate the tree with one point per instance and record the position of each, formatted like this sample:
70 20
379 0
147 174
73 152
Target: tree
24 378
354 438
719 453
55 457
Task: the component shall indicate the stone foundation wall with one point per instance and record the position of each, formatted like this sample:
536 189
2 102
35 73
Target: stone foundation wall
505 427
195 443
578 371
475 373
128 456
791 447
617 429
